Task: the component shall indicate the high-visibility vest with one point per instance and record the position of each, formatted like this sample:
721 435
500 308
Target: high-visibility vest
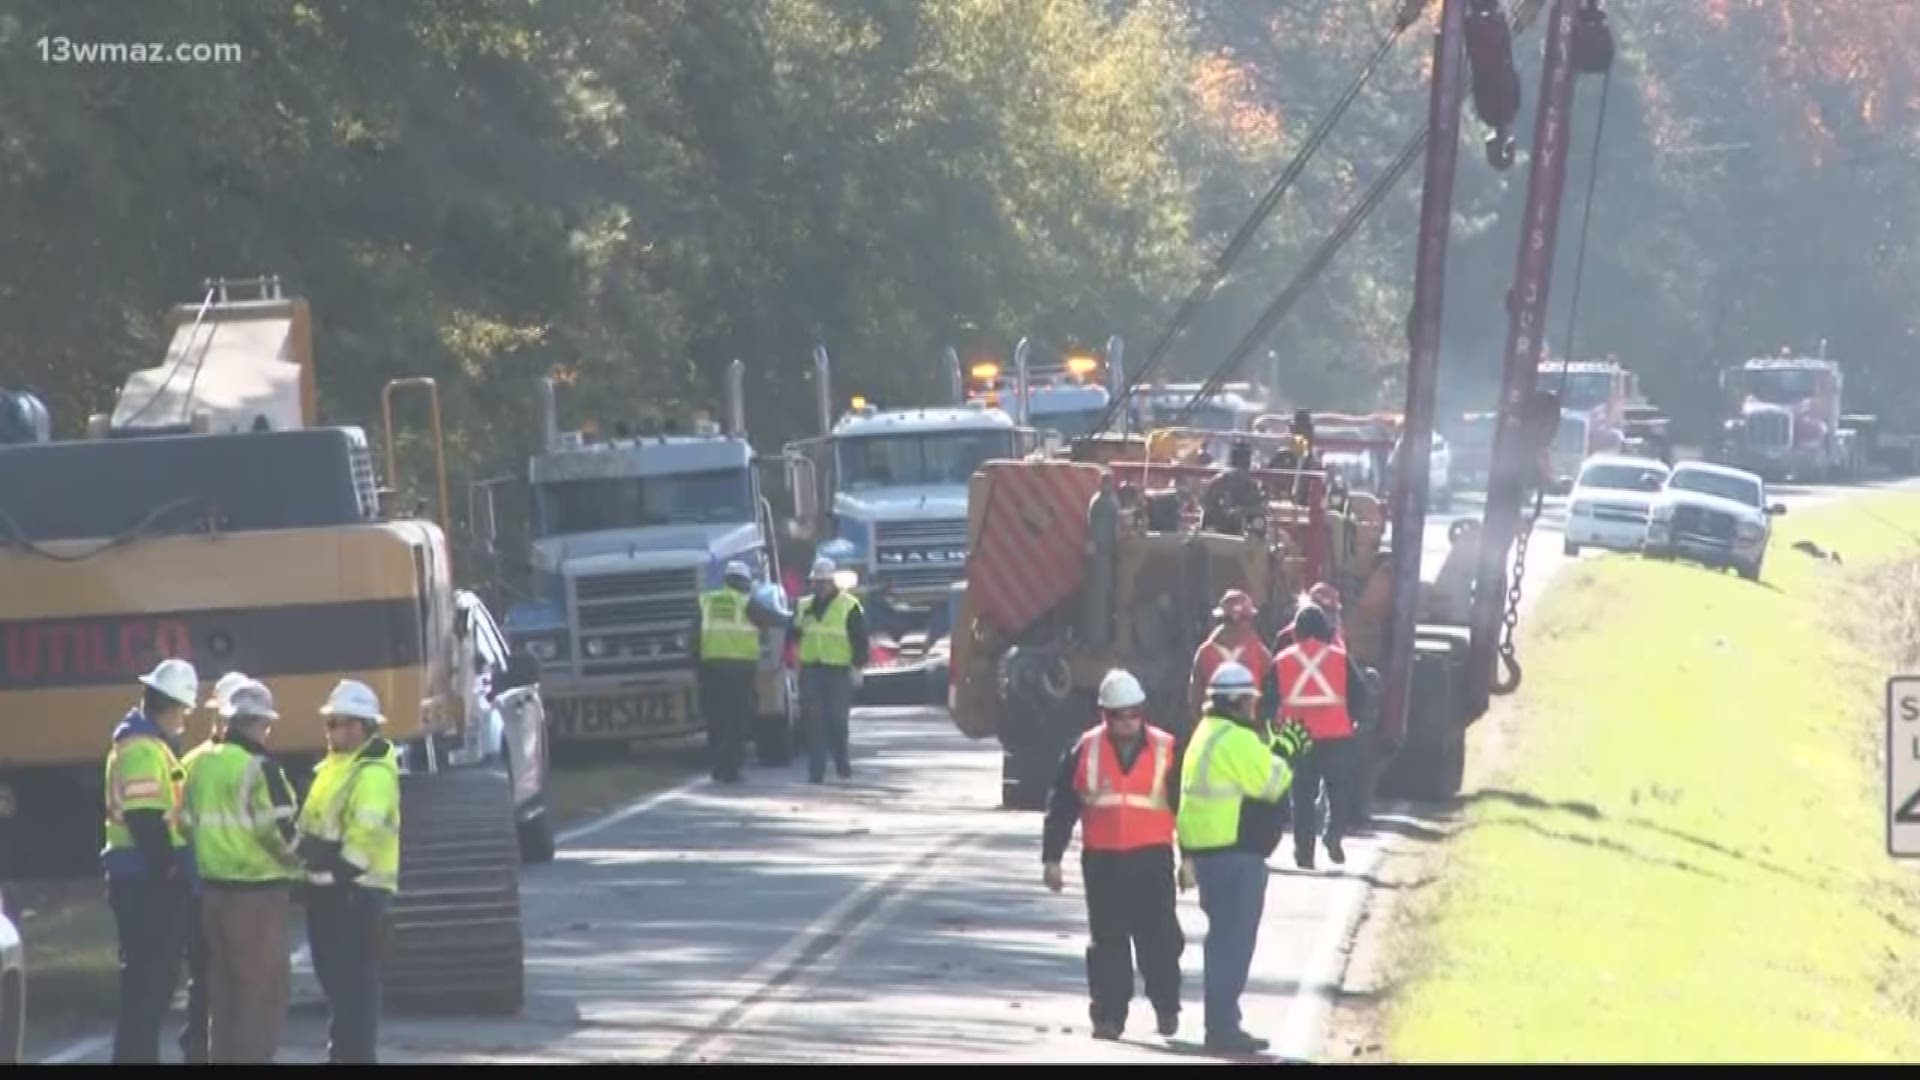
232 820
355 801
1226 764
823 638
725 631
1251 654
1312 676
1124 809
142 774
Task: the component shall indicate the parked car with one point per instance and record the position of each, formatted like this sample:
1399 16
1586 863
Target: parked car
1610 500
13 985
1713 515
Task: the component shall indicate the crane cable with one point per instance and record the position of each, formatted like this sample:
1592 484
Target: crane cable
1243 237
1519 18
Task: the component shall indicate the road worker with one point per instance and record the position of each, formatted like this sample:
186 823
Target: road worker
350 841
833 649
1321 688
1120 782
148 866
193 1037
1235 638
1233 496
240 812
1228 763
1327 599
728 637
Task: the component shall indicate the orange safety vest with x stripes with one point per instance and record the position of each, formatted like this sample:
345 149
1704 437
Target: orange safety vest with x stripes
1124 809
1250 654
1312 676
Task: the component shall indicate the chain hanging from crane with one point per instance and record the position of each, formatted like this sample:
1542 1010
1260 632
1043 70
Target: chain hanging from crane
1592 54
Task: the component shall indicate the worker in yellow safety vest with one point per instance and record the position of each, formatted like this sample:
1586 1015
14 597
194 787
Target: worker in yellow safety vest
350 839
728 637
1227 767
240 815
193 1037
833 651
148 867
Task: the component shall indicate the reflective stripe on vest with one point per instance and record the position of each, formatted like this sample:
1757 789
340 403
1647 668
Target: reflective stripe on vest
1123 810
235 826
369 836
725 631
823 640
1314 677
157 782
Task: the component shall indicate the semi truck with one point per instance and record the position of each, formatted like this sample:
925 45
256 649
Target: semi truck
883 493
1783 419
625 533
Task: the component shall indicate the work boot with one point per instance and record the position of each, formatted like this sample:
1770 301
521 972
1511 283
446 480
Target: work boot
1169 1022
1238 1042
1303 859
845 772
1107 1029
1335 852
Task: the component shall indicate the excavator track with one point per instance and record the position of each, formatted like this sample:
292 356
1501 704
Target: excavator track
454 939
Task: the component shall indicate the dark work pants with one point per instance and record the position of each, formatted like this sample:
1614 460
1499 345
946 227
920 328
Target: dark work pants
1233 894
1329 762
826 697
346 929
727 706
1130 910
151 918
193 1037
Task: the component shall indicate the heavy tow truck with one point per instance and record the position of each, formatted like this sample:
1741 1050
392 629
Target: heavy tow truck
1784 419
211 516
626 533
1076 569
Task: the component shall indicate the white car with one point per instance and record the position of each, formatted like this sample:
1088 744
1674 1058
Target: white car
13 987
1610 501
1714 515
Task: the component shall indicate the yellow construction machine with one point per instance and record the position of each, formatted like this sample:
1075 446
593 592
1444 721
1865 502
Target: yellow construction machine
211 517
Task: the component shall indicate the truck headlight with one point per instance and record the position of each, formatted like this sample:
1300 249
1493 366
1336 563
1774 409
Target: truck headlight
542 650
596 647
1749 531
1581 509
1661 512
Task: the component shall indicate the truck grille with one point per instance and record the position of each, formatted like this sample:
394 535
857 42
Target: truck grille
642 619
1768 429
1698 522
1622 512
920 554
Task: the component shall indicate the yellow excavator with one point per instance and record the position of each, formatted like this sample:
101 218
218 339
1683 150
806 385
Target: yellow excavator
211 516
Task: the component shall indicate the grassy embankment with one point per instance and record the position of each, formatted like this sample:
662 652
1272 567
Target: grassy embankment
71 959
1695 868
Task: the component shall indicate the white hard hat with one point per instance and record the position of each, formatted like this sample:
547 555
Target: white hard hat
251 700
1233 680
176 679
738 569
224 688
1120 690
822 568
355 700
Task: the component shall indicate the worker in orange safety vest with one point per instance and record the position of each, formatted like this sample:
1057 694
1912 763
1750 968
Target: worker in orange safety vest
1318 684
1121 783
1235 639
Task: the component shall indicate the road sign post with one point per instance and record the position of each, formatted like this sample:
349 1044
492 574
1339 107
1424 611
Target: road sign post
1903 766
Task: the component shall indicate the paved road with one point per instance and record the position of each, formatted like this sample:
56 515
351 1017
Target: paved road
896 917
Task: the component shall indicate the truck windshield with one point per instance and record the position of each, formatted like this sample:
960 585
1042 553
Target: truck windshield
1780 386
563 507
1070 424
1585 389
939 457
1737 488
1624 477
1571 438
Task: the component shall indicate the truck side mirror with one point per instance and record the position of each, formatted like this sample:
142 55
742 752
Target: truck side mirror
480 512
1777 509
